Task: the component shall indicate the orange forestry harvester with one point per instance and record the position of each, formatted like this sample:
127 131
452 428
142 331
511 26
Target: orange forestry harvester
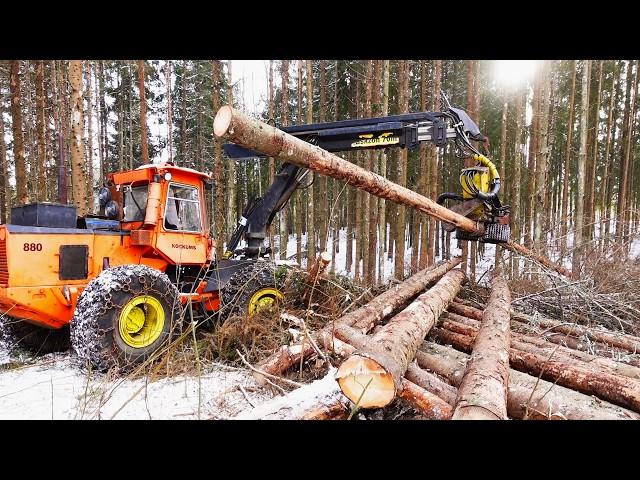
116 284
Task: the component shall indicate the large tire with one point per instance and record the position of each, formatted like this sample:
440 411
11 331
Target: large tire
17 333
124 316
250 289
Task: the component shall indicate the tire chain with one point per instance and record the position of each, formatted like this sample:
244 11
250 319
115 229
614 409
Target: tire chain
96 300
234 295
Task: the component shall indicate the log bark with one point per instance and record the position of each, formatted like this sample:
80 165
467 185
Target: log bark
541 346
373 376
528 397
617 389
318 267
364 318
321 399
482 394
622 341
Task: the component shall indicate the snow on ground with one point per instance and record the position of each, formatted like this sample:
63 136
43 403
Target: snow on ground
54 387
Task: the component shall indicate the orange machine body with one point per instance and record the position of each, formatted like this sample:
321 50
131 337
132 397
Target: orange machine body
33 285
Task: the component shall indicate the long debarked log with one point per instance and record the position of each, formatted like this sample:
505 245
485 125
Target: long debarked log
373 376
528 396
235 126
482 394
617 389
544 261
364 318
422 390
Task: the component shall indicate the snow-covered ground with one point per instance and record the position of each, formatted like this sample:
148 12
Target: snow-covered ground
54 387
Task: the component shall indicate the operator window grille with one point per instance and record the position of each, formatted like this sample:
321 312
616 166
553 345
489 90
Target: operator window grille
182 211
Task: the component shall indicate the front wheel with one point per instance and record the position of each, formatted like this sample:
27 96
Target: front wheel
253 289
124 316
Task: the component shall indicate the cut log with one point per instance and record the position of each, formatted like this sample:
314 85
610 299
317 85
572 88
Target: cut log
528 396
571 335
432 383
424 391
320 399
532 344
622 341
364 318
372 377
482 394
617 389
318 267
239 128
425 401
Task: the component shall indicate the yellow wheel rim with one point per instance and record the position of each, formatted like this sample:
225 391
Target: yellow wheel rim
264 299
141 321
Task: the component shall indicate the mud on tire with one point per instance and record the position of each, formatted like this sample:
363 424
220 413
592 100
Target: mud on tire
17 333
96 327
238 292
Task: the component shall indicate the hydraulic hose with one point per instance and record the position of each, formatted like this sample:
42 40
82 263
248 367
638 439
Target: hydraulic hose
495 178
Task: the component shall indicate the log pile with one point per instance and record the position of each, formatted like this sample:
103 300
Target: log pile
421 346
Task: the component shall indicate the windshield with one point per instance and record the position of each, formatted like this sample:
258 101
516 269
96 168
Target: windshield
135 203
183 209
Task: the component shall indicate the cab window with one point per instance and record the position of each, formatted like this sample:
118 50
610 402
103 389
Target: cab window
182 211
135 203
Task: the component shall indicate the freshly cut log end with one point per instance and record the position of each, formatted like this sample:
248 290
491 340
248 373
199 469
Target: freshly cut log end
365 382
222 121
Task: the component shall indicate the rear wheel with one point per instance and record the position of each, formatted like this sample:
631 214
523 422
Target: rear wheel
253 289
124 316
17 333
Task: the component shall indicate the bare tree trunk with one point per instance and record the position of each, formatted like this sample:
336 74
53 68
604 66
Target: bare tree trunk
503 160
77 144
231 185
40 128
89 112
567 165
382 220
591 214
624 168
376 107
167 81
311 220
423 182
18 138
433 224
577 239
540 206
323 213
482 394
515 189
102 113
368 164
218 166
5 192
403 107
606 183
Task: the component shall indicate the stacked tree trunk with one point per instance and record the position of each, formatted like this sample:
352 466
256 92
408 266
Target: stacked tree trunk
512 371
